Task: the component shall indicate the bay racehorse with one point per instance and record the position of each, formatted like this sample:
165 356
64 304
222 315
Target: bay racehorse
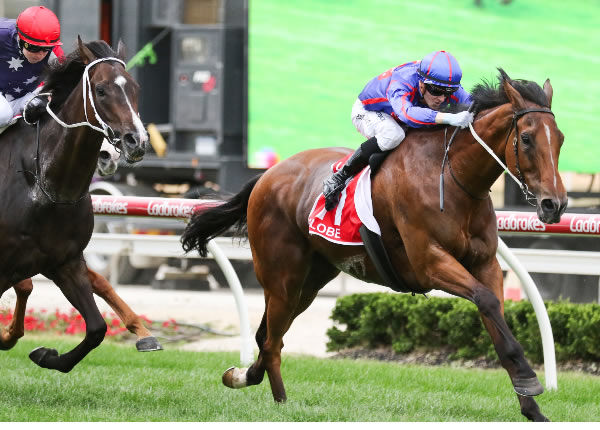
453 251
46 219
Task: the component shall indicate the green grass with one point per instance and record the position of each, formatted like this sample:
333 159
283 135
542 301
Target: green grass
309 59
116 383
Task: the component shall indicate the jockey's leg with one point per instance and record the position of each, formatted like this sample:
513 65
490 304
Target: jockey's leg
333 186
6 112
383 134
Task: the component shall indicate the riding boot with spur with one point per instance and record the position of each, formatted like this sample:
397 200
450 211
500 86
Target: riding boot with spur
34 109
333 186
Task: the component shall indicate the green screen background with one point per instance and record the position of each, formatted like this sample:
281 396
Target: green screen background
309 59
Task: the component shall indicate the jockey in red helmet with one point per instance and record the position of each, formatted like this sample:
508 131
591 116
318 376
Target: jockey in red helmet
26 46
407 96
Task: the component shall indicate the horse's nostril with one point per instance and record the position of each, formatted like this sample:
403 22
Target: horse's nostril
548 205
104 155
130 139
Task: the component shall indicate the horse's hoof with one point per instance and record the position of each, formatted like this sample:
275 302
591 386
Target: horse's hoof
147 344
41 355
528 387
235 378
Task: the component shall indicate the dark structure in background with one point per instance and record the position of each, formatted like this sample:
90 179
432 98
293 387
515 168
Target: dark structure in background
195 92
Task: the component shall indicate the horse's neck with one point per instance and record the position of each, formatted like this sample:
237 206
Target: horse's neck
68 156
478 169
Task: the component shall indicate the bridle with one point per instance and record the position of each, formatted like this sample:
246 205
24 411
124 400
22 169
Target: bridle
104 128
529 196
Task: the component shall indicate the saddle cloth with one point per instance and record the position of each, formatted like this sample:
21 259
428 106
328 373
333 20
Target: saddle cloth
341 224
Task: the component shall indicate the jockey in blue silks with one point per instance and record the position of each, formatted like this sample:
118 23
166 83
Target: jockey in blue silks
26 46
407 96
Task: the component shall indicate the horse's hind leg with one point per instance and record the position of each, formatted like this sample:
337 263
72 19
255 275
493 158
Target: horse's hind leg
11 334
102 288
281 310
74 283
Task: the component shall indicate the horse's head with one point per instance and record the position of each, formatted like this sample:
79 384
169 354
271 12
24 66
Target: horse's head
534 146
114 97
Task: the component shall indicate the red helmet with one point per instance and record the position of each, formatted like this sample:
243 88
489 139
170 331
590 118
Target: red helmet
39 26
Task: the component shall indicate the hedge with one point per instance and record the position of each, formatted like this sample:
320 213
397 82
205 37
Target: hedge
404 323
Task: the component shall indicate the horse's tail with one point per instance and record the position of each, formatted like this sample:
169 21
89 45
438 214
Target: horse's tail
205 225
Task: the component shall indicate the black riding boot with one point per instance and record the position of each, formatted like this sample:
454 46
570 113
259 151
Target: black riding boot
35 109
333 186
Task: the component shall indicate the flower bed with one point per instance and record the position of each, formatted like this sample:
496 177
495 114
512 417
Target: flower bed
72 323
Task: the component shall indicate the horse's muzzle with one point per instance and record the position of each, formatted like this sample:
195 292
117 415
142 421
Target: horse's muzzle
133 146
550 210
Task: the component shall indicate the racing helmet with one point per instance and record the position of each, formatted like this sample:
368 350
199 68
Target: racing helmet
441 70
39 26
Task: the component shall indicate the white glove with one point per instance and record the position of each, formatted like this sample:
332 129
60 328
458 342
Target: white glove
461 119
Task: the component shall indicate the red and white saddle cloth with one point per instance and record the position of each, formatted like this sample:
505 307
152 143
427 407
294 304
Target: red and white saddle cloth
341 224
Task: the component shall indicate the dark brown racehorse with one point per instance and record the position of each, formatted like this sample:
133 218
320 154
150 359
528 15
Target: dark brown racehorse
107 165
453 251
46 219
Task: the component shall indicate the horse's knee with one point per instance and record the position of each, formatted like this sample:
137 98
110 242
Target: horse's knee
95 334
487 302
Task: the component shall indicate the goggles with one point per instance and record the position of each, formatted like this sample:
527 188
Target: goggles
36 48
438 90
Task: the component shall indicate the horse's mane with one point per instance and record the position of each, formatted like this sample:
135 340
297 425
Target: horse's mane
487 95
61 78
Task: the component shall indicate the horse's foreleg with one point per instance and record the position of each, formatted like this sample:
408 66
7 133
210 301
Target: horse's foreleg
102 288
443 272
11 334
73 281
492 276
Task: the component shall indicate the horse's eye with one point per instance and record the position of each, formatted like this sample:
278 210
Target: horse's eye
525 139
100 91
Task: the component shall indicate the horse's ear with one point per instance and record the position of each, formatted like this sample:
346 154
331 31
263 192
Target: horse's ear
513 95
548 91
84 52
121 50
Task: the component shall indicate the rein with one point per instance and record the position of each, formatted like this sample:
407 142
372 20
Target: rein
105 130
529 196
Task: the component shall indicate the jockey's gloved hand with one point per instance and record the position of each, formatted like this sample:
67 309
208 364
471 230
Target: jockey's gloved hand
461 119
35 108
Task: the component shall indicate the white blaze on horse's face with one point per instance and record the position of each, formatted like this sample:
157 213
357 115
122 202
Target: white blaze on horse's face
121 81
550 151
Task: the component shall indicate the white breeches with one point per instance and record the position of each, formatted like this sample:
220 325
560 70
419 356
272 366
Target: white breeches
379 124
10 107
